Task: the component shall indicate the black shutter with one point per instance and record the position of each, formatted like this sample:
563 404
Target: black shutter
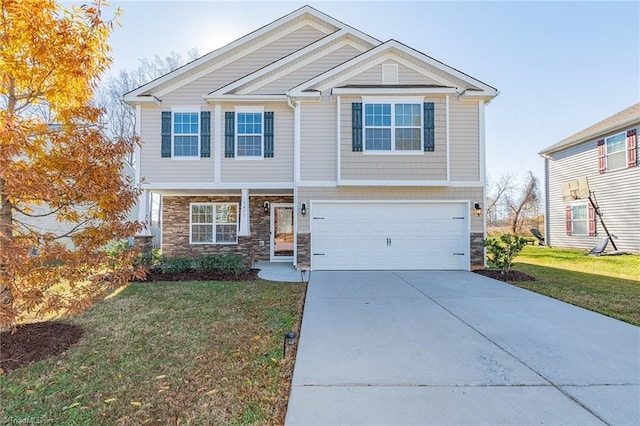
356 127
429 128
166 134
229 134
268 134
205 134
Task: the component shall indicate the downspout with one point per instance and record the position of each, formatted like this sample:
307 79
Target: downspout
547 218
295 105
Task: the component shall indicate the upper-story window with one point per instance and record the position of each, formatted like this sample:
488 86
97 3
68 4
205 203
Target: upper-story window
393 126
186 133
249 134
616 150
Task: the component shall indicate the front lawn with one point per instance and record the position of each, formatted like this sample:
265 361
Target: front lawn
606 284
167 353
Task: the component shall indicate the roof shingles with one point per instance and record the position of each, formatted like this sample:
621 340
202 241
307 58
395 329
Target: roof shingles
625 117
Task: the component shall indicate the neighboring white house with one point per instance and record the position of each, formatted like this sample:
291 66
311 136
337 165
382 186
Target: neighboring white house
607 155
46 220
310 142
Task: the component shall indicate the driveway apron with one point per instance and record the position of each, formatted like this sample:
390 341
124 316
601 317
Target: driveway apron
453 347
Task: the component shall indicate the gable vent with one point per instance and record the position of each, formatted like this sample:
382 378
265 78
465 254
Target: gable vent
389 73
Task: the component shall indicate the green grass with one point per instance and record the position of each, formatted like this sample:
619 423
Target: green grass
178 353
609 285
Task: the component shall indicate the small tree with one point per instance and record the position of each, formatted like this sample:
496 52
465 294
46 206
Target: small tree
501 251
59 164
498 192
525 207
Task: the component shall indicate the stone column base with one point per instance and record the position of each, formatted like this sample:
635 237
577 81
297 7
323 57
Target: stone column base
144 243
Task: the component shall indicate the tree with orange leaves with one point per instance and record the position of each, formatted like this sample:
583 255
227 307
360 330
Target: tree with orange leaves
59 164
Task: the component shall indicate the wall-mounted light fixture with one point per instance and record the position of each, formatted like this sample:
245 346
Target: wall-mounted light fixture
266 206
303 209
477 209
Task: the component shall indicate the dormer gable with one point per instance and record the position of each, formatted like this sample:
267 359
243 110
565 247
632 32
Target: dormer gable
393 66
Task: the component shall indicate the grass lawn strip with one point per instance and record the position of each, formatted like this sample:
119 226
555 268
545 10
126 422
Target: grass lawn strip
609 285
189 352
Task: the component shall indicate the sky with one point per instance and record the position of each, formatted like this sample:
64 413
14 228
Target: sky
559 66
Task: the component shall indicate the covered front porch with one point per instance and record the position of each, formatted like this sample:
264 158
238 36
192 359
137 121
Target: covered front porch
257 224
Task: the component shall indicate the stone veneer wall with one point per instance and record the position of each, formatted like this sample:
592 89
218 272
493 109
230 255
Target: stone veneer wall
144 243
304 250
477 250
175 227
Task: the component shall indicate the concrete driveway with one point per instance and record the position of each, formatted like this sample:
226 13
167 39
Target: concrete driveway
432 347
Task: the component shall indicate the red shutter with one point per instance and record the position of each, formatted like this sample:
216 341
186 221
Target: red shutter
591 216
602 163
568 217
632 153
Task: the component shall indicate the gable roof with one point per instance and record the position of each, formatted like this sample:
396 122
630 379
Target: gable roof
201 64
293 61
616 122
444 79
447 76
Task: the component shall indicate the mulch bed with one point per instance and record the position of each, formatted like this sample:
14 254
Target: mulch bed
250 275
511 276
35 342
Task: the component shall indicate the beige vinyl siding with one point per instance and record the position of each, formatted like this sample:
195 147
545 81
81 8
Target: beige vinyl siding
616 191
318 140
244 65
276 169
406 75
154 168
376 166
464 139
308 194
309 71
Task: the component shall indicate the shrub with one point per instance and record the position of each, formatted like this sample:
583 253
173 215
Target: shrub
116 248
501 251
229 263
175 265
150 260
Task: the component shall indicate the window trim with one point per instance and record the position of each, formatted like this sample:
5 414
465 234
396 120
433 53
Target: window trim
213 224
392 101
185 110
623 151
249 110
585 220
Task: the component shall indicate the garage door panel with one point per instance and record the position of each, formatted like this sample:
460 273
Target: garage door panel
390 236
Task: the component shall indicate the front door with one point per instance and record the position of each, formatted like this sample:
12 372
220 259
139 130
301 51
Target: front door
282 232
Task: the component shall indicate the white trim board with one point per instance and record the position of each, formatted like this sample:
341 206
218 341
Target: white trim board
350 182
215 186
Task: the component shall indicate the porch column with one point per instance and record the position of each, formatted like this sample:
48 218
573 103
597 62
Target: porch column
244 214
144 213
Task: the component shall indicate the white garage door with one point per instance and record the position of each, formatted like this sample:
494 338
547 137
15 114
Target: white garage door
399 235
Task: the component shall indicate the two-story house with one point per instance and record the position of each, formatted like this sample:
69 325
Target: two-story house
605 153
310 142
